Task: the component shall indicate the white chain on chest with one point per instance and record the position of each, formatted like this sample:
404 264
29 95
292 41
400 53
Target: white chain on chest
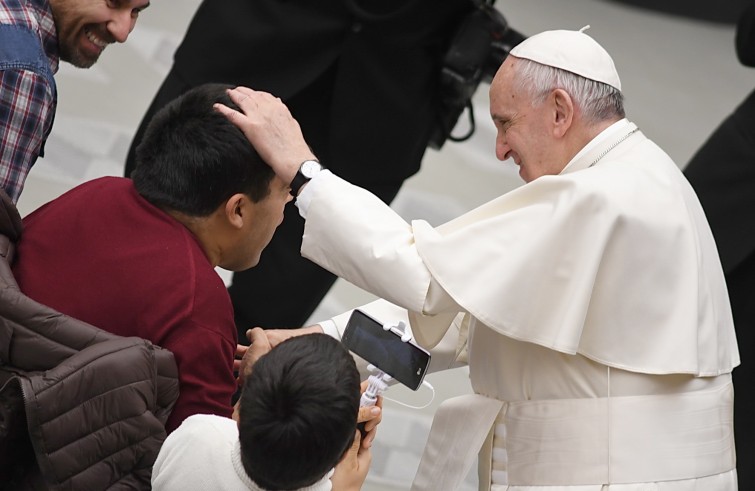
604 152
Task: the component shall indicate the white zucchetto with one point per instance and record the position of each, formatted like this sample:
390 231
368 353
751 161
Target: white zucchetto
573 51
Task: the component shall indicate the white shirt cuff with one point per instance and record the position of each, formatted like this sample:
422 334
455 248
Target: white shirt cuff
329 327
305 197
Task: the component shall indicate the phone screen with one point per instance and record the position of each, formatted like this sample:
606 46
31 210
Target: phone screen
405 362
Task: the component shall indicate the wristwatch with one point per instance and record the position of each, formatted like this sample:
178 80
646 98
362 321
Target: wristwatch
307 170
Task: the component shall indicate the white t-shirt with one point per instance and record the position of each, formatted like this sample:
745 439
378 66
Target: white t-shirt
204 453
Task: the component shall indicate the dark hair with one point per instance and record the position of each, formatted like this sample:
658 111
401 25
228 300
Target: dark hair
192 158
298 412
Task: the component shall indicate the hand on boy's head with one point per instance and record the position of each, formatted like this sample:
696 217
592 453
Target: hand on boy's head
270 128
371 416
351 471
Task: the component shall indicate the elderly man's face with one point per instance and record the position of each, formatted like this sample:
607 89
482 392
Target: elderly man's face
524 133
86 27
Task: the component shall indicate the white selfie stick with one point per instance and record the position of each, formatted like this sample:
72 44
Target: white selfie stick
376 385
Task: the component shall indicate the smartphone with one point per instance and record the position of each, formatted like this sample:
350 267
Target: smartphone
406 362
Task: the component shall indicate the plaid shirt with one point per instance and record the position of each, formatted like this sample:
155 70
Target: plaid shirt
27 101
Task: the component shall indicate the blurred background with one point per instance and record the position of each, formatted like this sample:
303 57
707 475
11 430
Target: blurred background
679 74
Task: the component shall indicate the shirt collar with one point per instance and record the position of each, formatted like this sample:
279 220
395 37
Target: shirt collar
321 485
48 31
579 162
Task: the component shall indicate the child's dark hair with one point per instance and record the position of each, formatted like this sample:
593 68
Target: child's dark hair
298 412
192 158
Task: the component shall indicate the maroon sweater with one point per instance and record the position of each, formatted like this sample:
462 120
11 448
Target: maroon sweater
102 254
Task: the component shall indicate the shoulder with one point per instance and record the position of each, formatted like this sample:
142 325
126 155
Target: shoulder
91 193
643 163
197 454
34 21
202 434
26 70
85 195
642 191
15 13
201 426
634 184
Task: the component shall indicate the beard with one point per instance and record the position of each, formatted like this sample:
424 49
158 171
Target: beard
73 55
73 45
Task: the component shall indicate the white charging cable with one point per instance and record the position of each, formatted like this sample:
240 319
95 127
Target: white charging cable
432 398
377 383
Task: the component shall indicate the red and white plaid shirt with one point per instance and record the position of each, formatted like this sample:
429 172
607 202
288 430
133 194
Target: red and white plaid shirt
27 101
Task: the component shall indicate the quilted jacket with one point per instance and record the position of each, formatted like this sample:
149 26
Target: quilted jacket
80 408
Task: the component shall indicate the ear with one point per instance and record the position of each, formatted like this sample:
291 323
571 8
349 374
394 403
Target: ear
236 210
563 112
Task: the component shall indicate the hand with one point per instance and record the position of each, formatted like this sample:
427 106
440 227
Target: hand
250 354
351 471
270 128
371 416
240 352
277 336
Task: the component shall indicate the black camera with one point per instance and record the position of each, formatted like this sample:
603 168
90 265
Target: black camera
480 44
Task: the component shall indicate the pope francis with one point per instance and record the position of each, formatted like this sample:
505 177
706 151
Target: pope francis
590 302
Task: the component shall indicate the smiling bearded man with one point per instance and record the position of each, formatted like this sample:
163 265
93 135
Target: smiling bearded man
34 36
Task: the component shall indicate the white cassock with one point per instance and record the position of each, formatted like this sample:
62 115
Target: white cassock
597 323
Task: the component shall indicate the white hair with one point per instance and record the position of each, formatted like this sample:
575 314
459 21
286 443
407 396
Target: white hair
597 101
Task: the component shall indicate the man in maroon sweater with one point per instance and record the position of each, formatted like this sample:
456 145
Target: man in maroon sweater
137 258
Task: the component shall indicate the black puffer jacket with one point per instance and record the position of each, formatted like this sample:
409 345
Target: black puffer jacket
80 408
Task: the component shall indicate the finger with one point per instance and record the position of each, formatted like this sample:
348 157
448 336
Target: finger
258 348
226 111
368 413
372 415
364 458
361 455
369 436
349 459
240 92
354 450
255 100
378 416
258 96
241 350
243 90
245 98
258 337
372 424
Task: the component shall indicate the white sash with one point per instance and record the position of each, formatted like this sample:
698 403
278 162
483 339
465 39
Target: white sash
459 428
630 439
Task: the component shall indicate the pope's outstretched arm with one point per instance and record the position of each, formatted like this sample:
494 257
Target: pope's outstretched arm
348 231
